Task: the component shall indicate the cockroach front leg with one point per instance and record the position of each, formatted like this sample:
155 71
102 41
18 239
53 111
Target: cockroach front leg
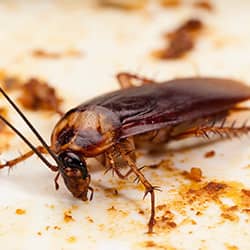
127 80
10 164
149 189
22 157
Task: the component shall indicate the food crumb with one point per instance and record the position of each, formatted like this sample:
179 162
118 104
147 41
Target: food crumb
181 40
205 5
170 3
124 4
231 247
39 233
40 53
209 154
68 216
89 219
57 228
195 174
39 95
71 239
9 82
150 243
20 211
141 212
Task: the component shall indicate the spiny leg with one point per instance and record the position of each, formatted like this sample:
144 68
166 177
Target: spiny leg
149 189
115 169
222 130
23 157
11 163
116 161
126 80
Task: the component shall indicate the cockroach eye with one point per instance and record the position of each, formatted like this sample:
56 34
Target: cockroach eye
72 161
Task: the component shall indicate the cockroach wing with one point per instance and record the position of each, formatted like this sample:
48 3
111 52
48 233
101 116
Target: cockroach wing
155 106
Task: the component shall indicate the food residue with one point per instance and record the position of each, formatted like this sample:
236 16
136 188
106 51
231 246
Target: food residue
124 4
38 95
43 54
206 5
89 219
20 211
9 82
209 154
71 239
164 218
68 216
181 40
170 3
195 174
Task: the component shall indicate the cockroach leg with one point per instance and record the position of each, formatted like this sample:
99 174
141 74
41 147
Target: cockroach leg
223 130
240 109
126 80
56 181
149 189
114 168
23 157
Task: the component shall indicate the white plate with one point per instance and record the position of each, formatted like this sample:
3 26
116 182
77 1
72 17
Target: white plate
111 41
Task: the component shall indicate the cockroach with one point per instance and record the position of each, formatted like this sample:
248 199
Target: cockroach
109 126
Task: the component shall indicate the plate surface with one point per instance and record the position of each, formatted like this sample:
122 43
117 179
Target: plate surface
211 214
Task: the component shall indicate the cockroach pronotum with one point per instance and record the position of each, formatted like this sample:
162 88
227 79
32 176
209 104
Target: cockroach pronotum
109 126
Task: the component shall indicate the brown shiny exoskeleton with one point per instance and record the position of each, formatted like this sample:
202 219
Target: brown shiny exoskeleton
108 127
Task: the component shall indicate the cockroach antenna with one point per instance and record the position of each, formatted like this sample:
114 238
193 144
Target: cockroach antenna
33 148
32 129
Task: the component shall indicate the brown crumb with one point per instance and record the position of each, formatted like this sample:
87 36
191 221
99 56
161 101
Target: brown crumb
71 239
195 174
209 154
124 4
205 5
68 216
245 192
230 216
170 3
111 191
9 82
141 212
20 211
40 53
181 40
89 219
231 247
150 243
39 233
112 209
214 187
38 95
57 228
156 246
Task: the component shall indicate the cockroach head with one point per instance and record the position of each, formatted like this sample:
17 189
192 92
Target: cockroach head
75 173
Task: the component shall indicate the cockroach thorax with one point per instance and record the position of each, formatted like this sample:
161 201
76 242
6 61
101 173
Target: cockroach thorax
90 131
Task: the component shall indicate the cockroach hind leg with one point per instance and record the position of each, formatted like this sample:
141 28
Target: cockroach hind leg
127 80
223 130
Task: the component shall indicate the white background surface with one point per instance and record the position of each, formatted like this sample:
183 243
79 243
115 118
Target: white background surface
111 41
